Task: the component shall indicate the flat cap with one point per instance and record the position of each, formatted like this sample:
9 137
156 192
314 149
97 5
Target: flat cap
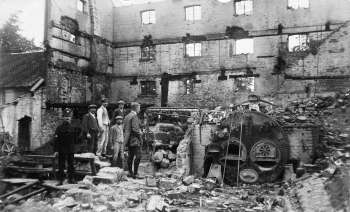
134 104
92 106
121 102
118 117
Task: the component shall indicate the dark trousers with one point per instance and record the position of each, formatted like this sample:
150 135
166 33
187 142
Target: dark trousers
92 143
206 166
134 152
208 160
62 158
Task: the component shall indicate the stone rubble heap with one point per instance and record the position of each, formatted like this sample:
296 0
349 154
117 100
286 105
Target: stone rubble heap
166 194
312 110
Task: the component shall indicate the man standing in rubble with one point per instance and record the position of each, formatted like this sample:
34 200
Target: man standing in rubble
103 122
132 127
64 146
90 129
117 140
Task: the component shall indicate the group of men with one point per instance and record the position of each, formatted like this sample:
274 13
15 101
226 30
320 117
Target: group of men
123 133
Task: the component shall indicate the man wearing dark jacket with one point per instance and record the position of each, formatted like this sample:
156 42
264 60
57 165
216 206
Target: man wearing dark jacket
65 137
119 111
90 129
132 130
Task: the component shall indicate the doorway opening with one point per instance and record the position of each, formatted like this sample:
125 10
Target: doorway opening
24 133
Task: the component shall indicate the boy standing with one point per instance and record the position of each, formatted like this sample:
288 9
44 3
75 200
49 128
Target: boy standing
117 140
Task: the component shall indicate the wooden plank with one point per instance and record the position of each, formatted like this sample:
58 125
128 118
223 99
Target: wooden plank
40 156
29 169
49 186
19 189
28 195
18 180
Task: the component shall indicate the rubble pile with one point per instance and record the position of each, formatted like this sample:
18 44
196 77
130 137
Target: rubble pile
164 158
330 113
166 194
312 110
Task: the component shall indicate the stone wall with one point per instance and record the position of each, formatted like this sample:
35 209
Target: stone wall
330 62
75 74
80 55
27 105
269 47
215 56
216 16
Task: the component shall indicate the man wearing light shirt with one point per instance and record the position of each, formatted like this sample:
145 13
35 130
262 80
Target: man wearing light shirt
103 122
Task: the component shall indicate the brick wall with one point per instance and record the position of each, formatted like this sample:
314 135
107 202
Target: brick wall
198 148
302 142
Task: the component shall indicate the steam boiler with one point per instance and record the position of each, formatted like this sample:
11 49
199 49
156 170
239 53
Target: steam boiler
250 146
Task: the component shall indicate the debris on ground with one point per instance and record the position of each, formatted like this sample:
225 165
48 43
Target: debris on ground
319 184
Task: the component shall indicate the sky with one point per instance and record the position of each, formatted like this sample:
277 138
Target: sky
30 14
120 3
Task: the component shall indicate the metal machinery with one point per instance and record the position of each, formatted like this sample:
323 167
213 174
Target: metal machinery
165 128
250 146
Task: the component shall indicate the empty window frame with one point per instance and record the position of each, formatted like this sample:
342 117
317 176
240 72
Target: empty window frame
81 5
148 17
148 53
189 86
148 88
193 49
298 43
245 84
193 13
298 4
244 46
243 7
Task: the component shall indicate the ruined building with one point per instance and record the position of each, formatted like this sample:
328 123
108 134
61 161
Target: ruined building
201 53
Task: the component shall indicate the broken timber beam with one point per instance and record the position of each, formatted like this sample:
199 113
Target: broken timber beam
316 77
28 195
19 189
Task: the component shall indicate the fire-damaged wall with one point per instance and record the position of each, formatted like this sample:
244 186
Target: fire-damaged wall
78 39
153 64
195 81
323 71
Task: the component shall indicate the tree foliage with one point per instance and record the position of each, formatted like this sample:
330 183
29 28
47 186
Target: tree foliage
11 41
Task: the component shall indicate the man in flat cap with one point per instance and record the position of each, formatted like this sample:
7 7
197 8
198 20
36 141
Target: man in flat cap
90 129
65 137
116 136
103 123
120 111
132 130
